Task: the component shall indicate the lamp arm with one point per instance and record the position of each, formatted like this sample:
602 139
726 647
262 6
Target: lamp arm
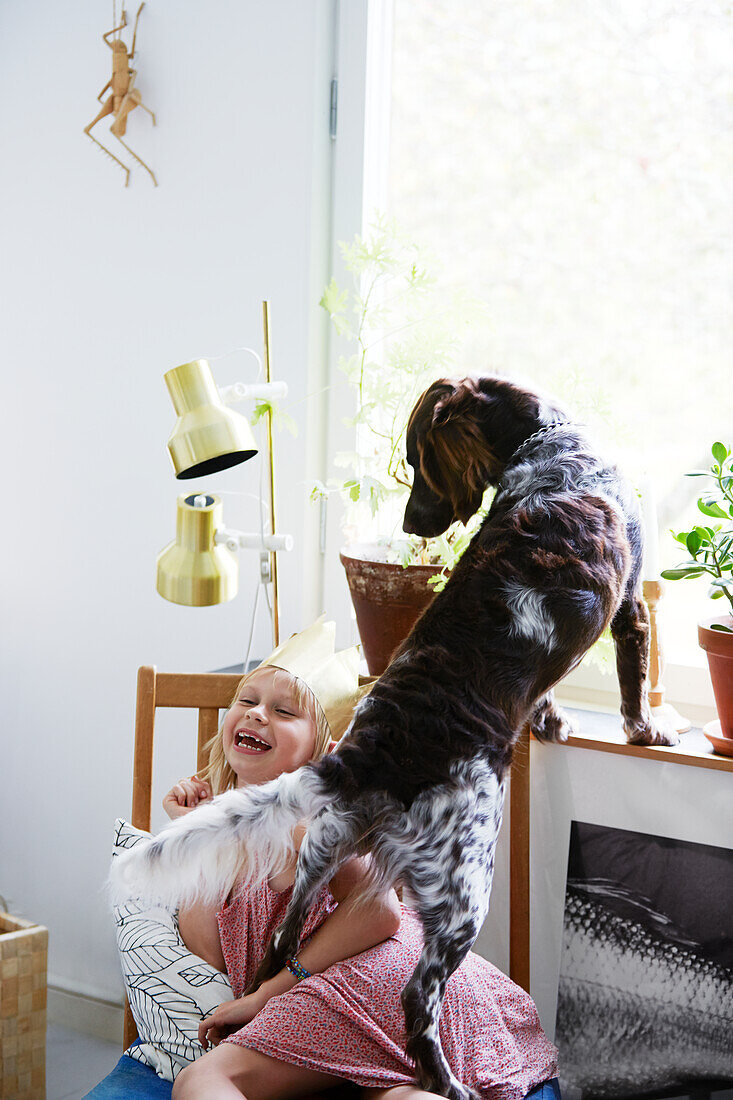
247 391
242 540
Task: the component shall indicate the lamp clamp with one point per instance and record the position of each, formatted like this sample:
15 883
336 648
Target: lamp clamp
257 391
265 567
242 540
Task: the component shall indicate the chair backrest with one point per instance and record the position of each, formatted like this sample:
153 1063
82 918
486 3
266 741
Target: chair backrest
210 692
207 692
519 863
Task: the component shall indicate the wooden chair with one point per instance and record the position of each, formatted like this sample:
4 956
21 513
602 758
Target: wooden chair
209 693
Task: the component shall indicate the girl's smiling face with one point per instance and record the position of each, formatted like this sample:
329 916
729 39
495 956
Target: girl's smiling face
267 731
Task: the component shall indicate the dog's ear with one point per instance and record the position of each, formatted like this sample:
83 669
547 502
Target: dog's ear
455 458
458 399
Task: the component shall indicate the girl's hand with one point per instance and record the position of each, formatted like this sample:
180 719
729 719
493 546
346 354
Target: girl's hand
186 796
229 1017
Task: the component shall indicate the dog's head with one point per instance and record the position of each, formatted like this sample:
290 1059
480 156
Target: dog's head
460 436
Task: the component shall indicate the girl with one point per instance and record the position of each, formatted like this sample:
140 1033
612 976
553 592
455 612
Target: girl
334 1013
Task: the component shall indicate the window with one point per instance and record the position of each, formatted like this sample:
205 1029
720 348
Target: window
570 164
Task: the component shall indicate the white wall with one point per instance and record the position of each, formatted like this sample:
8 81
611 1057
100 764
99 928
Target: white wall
102 289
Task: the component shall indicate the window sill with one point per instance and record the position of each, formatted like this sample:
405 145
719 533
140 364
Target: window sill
603 732
688 688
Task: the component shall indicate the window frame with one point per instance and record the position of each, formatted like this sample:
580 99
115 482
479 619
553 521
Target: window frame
360 187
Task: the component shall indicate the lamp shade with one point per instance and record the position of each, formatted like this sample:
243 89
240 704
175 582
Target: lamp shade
193 570
208 436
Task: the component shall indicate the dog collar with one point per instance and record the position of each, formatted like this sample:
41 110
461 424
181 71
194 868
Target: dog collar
532 438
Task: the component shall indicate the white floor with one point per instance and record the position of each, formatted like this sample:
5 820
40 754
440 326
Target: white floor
75 1063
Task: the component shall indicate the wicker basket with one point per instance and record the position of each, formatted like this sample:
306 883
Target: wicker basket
23 959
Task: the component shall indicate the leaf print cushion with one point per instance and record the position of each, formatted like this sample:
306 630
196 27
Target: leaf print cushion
169 989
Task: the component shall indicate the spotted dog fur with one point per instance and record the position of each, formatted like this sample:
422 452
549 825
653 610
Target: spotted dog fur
418 780
438 839
557 559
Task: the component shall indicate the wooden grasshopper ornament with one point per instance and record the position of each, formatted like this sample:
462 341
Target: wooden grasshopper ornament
124 97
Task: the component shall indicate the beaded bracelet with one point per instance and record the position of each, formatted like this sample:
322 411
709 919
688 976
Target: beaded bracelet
295 968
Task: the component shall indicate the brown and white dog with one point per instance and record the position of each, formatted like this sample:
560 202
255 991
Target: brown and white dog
557 559
418 780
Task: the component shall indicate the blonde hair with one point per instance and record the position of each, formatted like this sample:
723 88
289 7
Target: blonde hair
218 771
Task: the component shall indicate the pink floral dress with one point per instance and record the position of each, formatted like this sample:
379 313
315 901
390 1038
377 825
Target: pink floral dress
348 1021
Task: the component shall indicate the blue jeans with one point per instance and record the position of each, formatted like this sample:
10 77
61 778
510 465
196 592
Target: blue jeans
130 1080
548 1090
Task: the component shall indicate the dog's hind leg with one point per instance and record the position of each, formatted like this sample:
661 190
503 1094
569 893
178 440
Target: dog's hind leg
331 838
422 1000
548 722
450 876
630 631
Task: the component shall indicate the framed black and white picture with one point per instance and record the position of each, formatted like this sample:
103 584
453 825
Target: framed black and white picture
645 992
687 808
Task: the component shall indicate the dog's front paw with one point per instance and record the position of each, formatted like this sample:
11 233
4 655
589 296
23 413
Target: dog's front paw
551 724
657 731
280 948
271 965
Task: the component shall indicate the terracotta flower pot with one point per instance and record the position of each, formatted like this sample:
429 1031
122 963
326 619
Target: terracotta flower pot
387 599
719 648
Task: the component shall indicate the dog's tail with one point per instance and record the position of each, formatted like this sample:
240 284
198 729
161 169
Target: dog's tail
242 835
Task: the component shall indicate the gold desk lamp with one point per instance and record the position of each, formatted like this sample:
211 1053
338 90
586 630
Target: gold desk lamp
199 567
207 436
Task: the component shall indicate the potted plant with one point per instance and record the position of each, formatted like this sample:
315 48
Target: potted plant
402 332
710 550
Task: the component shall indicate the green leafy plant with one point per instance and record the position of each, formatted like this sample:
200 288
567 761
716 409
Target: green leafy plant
710 548
403 331
281 419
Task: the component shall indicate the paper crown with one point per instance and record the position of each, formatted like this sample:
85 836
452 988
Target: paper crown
332 677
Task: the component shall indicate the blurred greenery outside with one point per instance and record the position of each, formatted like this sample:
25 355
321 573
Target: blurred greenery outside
568 165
